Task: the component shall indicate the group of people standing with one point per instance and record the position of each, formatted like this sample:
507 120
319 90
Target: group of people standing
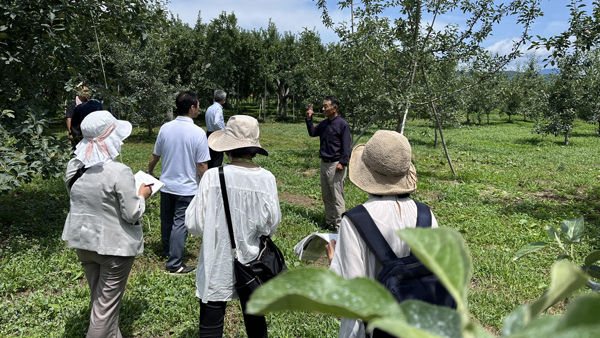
104 221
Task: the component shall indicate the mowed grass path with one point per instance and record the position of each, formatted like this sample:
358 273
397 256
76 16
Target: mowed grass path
510 184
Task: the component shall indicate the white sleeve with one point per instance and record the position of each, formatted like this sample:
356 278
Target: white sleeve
220 120
196 210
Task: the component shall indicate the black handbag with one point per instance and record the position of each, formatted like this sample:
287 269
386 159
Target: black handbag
268 264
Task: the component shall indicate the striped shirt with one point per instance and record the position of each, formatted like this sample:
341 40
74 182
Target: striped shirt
335 139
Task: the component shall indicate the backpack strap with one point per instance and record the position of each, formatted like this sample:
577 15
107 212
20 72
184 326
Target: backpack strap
364 224
423 215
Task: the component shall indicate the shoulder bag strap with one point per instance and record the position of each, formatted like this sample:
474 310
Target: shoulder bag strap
226 205
77 175
364 224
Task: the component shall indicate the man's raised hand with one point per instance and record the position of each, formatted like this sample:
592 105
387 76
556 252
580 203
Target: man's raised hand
309 112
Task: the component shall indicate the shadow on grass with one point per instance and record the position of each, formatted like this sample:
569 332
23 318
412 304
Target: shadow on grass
37 211
131 309
315 215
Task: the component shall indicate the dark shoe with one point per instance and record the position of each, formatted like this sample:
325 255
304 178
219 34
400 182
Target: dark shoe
324 226
182 270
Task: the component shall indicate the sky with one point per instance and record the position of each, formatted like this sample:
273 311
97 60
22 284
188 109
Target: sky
295 15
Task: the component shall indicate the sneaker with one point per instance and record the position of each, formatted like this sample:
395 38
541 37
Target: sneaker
182 270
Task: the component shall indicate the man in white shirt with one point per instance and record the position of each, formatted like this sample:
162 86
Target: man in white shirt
215 121
184 151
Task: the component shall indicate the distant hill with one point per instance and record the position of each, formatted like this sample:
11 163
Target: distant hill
546 72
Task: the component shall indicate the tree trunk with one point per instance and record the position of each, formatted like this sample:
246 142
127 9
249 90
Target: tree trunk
437 120
509 116
149 126
435 130
488 118
468 117
283 93
567 138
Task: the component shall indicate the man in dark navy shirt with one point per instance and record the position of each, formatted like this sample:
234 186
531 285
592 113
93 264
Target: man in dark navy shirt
334 134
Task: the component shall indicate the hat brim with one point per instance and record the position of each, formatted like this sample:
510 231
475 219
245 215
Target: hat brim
219 141
377 184
123 129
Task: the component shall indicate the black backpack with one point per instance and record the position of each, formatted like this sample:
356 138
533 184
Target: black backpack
406 278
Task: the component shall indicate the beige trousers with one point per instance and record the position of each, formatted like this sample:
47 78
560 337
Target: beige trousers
332 190
107 277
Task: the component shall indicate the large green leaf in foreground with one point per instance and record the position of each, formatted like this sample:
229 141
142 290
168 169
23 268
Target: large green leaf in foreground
318 289
422 320
565 278
581 320
444 252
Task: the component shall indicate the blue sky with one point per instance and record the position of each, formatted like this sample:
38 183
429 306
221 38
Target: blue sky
294 15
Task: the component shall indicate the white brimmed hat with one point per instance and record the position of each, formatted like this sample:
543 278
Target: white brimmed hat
383 166
103 137
241 133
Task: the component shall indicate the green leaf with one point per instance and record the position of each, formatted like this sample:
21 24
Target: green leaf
581 320
572 229
169 299
400 329
318 289
529 248
592 258
565 278
552 232
438 320
593 270
515 321
444 252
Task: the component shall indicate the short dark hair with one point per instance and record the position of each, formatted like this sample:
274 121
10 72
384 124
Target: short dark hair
185 100
241 153
334 100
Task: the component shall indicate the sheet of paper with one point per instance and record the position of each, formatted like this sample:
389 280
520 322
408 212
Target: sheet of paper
142 177
312 247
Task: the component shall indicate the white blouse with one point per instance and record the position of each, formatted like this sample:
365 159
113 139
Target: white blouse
254 207
352 257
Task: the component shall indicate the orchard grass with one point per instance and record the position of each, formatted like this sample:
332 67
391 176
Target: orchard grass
510 184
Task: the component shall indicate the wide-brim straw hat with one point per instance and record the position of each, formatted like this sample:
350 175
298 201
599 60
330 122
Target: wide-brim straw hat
383 165
103 137
241 133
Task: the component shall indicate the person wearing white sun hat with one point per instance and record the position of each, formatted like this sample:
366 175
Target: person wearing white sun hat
103 223
383 168
255 211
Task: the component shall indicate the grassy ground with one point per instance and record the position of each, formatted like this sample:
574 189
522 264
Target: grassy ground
510 184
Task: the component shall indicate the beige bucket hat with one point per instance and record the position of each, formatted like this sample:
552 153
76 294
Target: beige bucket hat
241 133
383 166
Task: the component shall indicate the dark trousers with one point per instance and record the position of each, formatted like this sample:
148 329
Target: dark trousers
172 227
212 315
216 157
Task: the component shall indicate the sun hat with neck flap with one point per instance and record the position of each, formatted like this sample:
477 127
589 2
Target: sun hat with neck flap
383 165
240 134
103 137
